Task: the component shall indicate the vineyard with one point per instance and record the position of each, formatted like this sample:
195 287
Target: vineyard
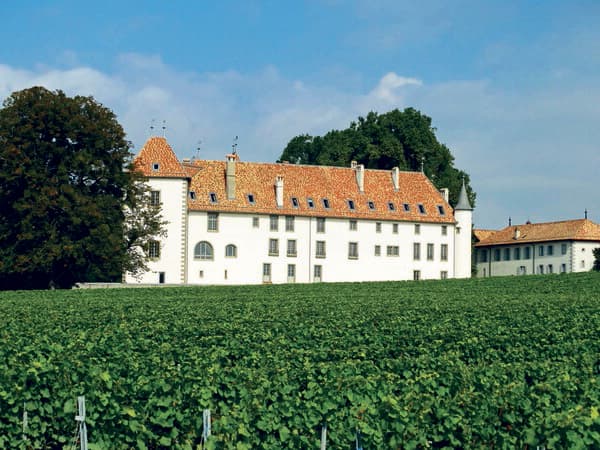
486 363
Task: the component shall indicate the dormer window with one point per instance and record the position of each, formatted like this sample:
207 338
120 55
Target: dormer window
441 210
406 207
250 198
311 203
421 208
351 205
295 202
371 204
155 166
192 195
391 206
213 197
325 203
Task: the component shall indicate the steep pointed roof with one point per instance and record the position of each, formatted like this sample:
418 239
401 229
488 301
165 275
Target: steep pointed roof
567 230
157 159
463 200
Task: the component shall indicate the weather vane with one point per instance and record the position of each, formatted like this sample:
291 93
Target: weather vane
198 148
152 126
234 146
164 128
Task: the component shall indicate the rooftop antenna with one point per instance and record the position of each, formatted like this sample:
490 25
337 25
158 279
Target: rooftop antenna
585 213
509 221
164 128
198 148
234 145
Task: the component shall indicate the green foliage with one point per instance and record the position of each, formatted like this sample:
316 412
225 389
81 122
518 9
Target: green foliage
62 191
484 363
404 139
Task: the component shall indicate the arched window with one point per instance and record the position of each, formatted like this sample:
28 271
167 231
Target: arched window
203 250
231 251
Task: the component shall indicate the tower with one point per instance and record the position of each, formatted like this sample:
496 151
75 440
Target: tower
463 214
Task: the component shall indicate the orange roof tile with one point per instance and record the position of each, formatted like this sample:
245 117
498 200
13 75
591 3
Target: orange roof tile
337 184
157 159
481 234
575 230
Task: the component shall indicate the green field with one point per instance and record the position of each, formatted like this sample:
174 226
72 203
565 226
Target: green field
486 363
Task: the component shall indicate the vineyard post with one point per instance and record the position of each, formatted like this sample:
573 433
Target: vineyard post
80 417
205 425
25 422
358 443
324 436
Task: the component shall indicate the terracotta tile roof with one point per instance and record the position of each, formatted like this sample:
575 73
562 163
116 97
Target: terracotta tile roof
157 159
575 230
336 184
481 234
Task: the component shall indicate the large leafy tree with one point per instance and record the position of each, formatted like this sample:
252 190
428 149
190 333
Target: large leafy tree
405 139
64 192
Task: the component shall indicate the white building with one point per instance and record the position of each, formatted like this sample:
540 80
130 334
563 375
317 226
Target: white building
232 222
536 248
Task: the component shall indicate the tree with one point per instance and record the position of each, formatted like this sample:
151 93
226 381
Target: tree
596 253
405 139
63 192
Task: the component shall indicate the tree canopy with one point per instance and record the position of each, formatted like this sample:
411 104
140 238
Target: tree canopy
66 197
404 139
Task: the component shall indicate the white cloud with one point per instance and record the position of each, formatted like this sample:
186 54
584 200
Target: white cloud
388 88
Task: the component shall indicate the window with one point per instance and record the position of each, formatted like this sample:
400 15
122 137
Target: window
416 275
203 250
444 275
550 250
378 227
527 253
325 203
393 250
541 268
311 203
250 198
395 228
378 250
320 224
416 251
406 207
429 252
353 225
213 222
582 264
295 202
371 204
291 247
482 255
289 223
353 250
291 273
213 197
444 252
444 230
192 195
541 251
507 254
230 251
274 223
318 273
441 210
421 208
154 249
522 270
255 222
563 268
563 249
350 205
155 166
517 253
273 247
417 228
496 254
391 206
550 268
266 273
154 198
320 250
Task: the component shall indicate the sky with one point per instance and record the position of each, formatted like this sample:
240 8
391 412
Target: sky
512 87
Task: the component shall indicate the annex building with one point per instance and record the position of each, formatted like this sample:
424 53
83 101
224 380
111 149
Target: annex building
234 222
537 248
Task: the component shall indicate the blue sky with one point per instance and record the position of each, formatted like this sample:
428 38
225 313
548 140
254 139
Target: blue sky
512 87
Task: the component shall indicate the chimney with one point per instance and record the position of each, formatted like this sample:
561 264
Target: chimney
396 178
446 194
353 164
360 177
279 191
230 176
